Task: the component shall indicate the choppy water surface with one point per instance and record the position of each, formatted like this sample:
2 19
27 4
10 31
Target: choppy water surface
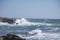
39 29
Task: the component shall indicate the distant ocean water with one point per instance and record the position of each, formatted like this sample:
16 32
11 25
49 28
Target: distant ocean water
33 29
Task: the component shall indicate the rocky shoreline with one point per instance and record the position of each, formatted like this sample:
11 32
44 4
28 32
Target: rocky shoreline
11 37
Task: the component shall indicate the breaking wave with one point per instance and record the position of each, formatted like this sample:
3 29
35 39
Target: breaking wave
37 34
25 22
33 29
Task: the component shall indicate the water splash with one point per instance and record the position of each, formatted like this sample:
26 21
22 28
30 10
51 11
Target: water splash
25 22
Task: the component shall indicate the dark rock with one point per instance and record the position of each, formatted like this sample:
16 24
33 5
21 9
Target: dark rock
11 37
8 20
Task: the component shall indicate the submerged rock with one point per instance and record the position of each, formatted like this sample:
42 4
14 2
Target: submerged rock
11 37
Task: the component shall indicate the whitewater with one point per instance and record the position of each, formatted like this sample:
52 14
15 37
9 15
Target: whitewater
33 29
25 22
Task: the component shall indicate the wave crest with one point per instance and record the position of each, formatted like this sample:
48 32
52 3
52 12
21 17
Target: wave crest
25 22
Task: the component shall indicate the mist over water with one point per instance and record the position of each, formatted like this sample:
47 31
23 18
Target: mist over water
33 29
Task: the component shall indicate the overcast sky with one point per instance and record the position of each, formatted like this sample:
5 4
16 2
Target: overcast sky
30 8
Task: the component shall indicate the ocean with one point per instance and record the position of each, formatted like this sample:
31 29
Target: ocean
33 29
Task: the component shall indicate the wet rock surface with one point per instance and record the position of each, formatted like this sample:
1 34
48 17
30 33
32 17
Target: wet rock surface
11 37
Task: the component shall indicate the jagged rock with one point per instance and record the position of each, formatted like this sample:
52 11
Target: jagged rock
8 20
11 37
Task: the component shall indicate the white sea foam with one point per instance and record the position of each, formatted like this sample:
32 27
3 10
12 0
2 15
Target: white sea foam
25 22
41 36
54 29
22 22
35 31
2 23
